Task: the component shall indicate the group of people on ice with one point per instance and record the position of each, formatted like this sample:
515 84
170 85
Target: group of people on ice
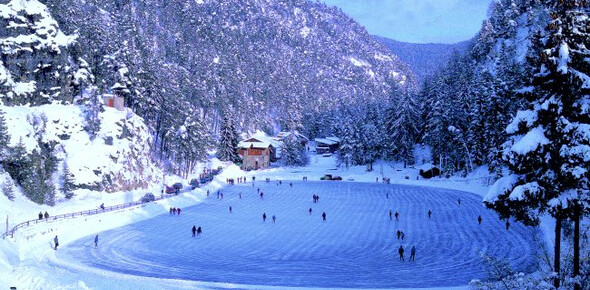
175 211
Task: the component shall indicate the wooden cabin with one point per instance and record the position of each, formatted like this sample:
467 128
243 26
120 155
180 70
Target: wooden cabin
256 154
114 102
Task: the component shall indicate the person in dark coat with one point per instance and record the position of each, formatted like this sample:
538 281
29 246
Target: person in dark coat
178 210
324 216
507 224
40 215
96 241
429 213
46 215
56 242
199 231
263 217
398 234
400 251
261 195
479 219
230 209
413 253
310 211
194 230
390 214
403 235
396 216
274 218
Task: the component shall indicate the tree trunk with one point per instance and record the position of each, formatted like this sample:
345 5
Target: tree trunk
556 254
577 247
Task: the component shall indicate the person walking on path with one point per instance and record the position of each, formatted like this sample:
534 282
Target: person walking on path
429 213
56 242
390 214
396 216
324 216
40 215
400 251
274 218
479 219
96 241
46 215
263 217
199 231
413 253
194 230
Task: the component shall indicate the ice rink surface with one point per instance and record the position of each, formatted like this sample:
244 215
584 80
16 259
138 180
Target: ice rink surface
356 247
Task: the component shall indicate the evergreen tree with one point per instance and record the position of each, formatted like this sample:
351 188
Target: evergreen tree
4 137
8 188
294 153
228 141
67 187
549 144
401 128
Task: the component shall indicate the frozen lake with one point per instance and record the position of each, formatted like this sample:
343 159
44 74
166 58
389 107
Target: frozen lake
355 247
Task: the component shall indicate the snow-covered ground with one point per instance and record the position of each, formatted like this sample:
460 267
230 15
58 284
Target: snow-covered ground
355 247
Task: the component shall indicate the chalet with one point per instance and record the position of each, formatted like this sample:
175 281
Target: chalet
256 154
327 145
114 102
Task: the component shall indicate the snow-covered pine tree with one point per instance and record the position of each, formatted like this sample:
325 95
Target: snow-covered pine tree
67 186
92 108
294 153
228 140
549 144
4 137
8 188
401 121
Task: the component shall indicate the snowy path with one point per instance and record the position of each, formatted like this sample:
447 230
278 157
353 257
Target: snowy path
356 247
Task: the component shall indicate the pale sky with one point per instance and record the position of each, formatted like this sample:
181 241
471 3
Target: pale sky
418 21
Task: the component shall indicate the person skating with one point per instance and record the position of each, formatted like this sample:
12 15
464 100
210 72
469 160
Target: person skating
261 195
310 211
324 216
429 213
459 201
479 219
56 242
398 234
396 216
413 253
194 230
400 251
199 231
403 235
96 241
274 218
230 209
507 224
390 215
263 217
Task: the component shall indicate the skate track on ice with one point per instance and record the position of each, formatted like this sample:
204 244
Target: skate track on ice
356 247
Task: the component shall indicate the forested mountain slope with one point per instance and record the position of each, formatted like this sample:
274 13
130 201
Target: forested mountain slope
257 60
425 59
